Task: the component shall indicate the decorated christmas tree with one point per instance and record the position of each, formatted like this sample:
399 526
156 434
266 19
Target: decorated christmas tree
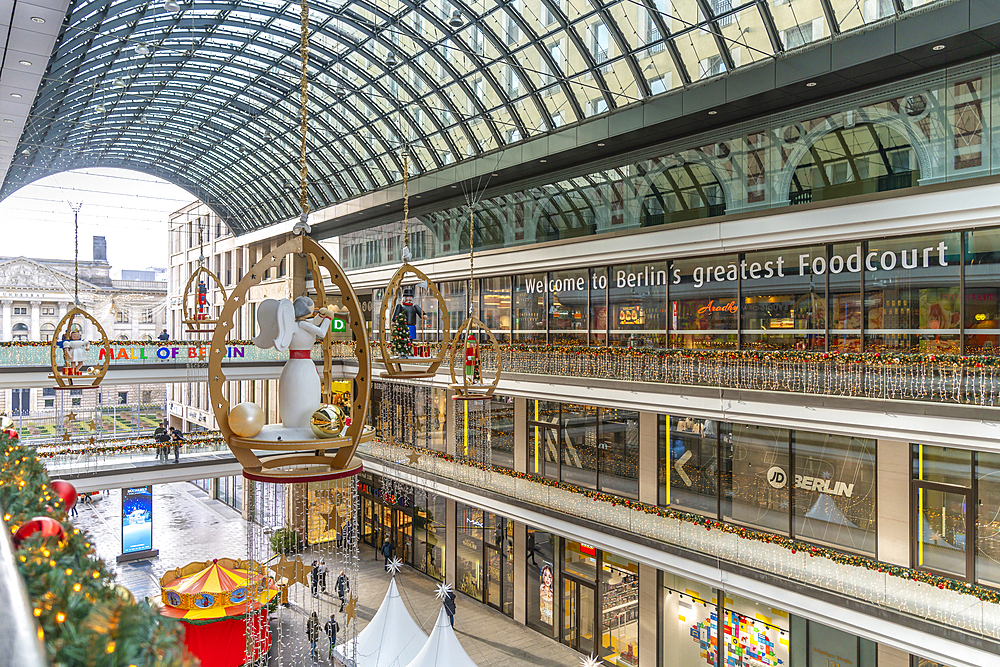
400 343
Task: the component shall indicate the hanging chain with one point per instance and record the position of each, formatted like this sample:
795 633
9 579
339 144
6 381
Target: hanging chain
304 112
76 251
472 252
406 198
201 245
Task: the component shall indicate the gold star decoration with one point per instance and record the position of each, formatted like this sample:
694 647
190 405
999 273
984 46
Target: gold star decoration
413 458
332 519
71 417
292 570
93 424
65 437
350 610
92 440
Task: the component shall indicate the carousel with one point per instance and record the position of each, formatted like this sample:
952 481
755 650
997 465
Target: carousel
213 599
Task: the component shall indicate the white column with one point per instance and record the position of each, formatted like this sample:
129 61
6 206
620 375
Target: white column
134 314
63 309
5 323
893 484
36 311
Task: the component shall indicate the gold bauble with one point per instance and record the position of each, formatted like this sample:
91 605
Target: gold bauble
246 419
327 421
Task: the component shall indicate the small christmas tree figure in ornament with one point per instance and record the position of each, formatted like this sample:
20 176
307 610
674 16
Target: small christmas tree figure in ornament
411 312
472 370
202 311
400 343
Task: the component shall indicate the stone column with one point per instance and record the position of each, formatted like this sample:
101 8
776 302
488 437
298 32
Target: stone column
521 435
450 539
134 314
892 657
647 615
520 565
34 332
63 308
648 441
5 323
893 484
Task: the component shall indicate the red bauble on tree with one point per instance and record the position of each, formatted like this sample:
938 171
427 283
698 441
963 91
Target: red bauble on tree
47 526
7 427
66 491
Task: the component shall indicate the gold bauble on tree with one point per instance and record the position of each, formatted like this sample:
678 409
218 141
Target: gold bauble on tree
246 419
328 421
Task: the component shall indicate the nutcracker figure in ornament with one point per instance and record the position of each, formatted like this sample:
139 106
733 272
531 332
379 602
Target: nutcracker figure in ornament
75 351
472 370
202 305
410 311
294 327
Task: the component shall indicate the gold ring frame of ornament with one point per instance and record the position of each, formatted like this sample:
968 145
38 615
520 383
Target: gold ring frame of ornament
471 388
394 365
65 376
194 323
304 460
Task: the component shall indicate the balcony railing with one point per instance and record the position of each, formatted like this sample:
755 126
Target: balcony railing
967 380
863 582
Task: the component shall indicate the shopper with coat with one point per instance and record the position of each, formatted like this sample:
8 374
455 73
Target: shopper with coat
332 628
449 607
312 631
343 587
388 550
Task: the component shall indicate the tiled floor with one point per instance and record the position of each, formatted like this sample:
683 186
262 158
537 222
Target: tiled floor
189 526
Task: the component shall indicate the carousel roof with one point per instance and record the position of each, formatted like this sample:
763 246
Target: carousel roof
215 592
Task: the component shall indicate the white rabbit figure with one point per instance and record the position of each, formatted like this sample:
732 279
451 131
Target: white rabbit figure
286 326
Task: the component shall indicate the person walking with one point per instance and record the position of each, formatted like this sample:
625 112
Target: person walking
388 550
312 631
314 579
161 436
531 547
449 607
322 575
343 587
164 335
332 628
73 511
177 439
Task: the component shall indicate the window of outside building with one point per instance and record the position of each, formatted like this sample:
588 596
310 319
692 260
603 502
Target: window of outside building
48 310
122 315
123 398
19 331
47 331
20 310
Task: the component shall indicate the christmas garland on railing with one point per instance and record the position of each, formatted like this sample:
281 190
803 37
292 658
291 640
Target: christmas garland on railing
763 356
123 445
127 343
82 619
795 546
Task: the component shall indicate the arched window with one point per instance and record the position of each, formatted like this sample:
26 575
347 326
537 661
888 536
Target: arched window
19 331
870 157
47 331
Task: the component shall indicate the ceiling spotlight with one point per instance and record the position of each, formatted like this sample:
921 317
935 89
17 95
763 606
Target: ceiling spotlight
390 59
3 141
15 95
937 47
543 160
171 6
601 144
26 63
7 120
712 112
101 108
38 19
811 84
25 152
118 82
141 49
456 19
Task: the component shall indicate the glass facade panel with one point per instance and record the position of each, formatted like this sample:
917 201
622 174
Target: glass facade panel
637 298
834 490
756 490
688 464
502 431
946 465
598 306
912 300
784 299
844 275
580 559
619 452
982 291
704 313
689 635
988 519
496 306
469 551
579 451
529 308
568 307
619 587
540 580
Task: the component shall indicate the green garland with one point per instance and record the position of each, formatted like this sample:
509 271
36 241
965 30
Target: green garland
82 620
795 546
122 445
762 356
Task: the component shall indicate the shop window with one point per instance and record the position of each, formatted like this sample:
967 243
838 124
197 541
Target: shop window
704 312
689 634
469 551
912 301
568 294
619 588
529 313
637 299
598 306
784 299
756 487
578 445
816 645
540 580
757 634
543 438
619 452
688 468
502 431
843 271
982 291
429 534
498 540
496 306
942 493
988 518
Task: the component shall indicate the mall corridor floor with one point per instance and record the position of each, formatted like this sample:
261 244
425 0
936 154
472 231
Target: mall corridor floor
189 526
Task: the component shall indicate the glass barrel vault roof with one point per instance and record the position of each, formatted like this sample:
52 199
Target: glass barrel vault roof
207 97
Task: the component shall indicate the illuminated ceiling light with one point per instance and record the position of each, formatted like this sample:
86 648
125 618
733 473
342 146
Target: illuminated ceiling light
141 49
811 84
15 95
26 63
712 112
25 152
456 19
101 108
7 120
938 47
601 144
171 6
38 19
390 59
3 141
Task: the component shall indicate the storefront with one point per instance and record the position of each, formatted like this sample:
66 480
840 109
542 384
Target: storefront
484 558
386 513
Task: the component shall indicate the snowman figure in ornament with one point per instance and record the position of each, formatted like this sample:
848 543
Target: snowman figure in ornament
294 327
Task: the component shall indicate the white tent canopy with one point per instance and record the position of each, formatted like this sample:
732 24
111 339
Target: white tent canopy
442 648
391 639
